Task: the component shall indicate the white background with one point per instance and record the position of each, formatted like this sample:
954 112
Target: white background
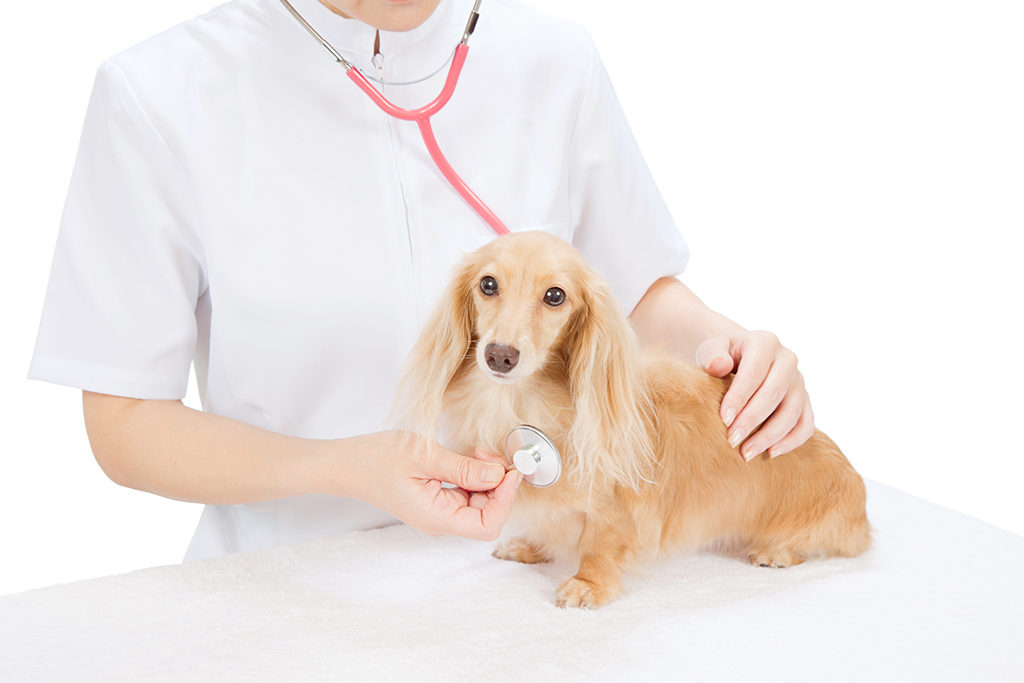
850 175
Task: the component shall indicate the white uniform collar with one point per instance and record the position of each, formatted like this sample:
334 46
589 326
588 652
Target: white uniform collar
353 37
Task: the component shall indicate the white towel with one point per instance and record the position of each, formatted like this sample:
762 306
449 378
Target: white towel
939 598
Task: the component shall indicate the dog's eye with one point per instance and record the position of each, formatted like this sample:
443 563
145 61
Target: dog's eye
489 286
554 297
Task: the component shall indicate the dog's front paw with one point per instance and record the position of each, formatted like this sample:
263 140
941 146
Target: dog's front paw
519 550
576 592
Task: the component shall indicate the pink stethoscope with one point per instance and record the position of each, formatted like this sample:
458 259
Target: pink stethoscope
422 115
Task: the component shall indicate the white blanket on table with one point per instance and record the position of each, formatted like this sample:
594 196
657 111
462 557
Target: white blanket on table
939 598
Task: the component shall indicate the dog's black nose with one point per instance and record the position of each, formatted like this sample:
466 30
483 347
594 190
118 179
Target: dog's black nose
501 357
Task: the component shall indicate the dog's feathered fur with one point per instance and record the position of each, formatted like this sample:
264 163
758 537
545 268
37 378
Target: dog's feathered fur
646 464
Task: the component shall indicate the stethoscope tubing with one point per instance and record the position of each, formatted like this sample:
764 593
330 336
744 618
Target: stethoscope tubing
421 115
422 118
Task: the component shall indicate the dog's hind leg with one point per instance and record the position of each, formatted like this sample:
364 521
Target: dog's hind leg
842 531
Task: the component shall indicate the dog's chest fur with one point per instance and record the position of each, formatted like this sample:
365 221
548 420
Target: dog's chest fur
496 408
553 515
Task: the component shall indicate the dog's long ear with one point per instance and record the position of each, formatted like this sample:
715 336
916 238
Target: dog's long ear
612 403
443 344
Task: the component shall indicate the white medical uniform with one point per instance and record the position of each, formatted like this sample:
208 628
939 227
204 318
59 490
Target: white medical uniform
239 204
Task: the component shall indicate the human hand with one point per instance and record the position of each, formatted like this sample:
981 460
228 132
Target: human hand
405 474
767 389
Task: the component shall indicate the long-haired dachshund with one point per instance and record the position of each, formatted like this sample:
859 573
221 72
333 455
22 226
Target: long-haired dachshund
527 333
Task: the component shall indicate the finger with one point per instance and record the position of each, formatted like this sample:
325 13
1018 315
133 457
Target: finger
479 500
796 438
777 383
466 473
485 523
498 508
756 360
775 428
715 356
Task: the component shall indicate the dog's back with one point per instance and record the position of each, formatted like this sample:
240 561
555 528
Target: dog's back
809 503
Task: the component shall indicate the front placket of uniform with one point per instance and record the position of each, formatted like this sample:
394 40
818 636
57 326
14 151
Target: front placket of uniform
378 64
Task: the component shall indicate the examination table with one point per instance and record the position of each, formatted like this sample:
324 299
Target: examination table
940 597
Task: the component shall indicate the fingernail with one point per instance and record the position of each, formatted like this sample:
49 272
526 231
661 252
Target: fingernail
735 438
750 454
492 475
775 452
712 361
729 416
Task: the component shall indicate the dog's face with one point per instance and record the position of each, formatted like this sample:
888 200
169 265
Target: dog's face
526 290
527 309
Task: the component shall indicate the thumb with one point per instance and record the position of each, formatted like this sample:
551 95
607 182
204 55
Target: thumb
715 357
490 457
466 473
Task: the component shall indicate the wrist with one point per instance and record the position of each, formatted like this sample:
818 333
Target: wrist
350 466
328 466
671 315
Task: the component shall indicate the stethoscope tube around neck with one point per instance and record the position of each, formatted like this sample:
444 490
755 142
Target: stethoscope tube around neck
421 115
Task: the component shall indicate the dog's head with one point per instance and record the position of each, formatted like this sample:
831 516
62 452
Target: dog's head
515 306
527 290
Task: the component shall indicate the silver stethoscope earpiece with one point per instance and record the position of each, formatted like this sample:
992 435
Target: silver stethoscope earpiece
535 455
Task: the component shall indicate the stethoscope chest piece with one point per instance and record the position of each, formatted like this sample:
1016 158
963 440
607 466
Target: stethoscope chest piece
531 452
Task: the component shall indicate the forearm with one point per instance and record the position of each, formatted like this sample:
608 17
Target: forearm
166 448
671 314
163 447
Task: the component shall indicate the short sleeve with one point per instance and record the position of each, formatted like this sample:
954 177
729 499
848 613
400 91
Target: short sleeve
119 315
620 222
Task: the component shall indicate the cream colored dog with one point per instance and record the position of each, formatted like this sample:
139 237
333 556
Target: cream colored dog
527 333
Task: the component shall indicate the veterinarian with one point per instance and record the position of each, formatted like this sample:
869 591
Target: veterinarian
239 205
